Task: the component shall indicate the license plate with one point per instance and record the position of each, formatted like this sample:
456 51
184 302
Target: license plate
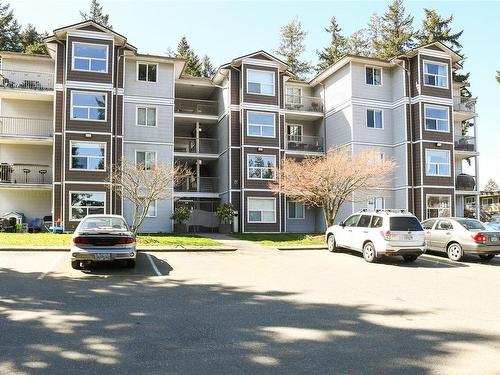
102 256
407 237
494 239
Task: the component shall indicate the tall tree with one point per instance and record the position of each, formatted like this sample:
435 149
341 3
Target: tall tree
438 29
207 69
32 40
193 64
292 46
9 29
491 185
96 14
498 76
337 48
373 33
358 43
396 32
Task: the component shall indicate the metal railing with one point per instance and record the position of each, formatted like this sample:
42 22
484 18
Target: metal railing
464 104
196 145
24 80
196 107
465 182
17 126
304 143
303 103
465 143
25 174
198 184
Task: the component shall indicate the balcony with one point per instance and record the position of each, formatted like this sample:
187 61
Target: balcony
465 183
304 143
20 174
198 185
464 108
196 108
17 127
465 147
23 80
189 145
301 103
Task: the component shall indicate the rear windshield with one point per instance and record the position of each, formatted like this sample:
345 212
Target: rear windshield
471 224
405 224
108 223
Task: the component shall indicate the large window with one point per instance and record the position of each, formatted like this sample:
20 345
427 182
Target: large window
435 74
373 76
261 124
261 210
437 163
90 57
88 106
145 159
261 167
147 72
436 118
294 95
86 203
146 116
296 210
89 156
438 206
260 82
374 118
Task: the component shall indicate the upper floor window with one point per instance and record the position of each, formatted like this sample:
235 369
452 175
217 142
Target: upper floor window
436 118
435 74
261 124
88 156
294 95
146 116
90 57
88 106
373 76
145 160
147 72
437 163
260 82
294 133
374 118
375 203
261 167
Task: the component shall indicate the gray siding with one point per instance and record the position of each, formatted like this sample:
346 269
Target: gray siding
163 87
162 132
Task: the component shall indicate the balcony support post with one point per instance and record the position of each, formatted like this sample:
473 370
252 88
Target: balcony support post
198 175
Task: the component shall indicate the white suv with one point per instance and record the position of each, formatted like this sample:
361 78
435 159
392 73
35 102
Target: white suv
379 233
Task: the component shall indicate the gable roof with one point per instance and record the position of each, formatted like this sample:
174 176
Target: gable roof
237 60
455 57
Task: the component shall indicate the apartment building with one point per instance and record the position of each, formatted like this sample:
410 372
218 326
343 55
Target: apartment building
67 119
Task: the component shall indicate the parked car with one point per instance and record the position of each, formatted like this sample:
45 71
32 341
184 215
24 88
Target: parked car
100 238
379 233
460 236
494 222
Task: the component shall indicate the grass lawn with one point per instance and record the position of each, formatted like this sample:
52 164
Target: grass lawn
49 239
282 239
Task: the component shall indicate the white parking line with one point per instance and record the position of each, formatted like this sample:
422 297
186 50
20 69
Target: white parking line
51 267
158 273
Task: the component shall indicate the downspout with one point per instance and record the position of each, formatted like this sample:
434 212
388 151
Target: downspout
113 124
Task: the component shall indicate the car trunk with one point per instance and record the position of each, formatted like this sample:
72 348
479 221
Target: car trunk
104 239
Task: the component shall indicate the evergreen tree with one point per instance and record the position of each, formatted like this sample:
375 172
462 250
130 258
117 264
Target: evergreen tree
437 29
207 69
9 30
491 185
396 32
498 76
193 64
373 33
32 40
337 48
96 14
358 43
291 47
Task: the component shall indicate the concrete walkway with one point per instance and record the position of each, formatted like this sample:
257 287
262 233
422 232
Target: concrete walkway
241 245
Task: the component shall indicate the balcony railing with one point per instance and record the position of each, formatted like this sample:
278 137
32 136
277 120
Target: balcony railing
198 184
302 103
465 143
23 80
464 104
465 182
25 174
304 143
196 107
25 127
196 145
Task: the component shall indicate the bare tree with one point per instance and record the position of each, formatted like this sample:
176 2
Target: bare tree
331 180
142 186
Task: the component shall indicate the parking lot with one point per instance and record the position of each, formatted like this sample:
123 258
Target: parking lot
249 312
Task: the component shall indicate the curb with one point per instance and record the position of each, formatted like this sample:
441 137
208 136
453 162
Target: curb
150 248
302 247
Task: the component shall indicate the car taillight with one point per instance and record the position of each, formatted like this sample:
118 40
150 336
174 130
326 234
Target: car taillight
81 240
386 234
125 240
479 237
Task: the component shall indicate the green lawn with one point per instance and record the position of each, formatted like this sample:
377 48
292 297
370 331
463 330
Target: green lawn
49 239
282 239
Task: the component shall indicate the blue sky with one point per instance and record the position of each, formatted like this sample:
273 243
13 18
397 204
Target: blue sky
227 29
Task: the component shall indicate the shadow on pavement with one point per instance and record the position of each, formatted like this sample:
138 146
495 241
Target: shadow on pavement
468 258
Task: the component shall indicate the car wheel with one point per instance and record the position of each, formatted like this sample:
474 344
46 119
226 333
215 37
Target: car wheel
410 258
330 242
130 263
369 252
455 252
75 264
486 256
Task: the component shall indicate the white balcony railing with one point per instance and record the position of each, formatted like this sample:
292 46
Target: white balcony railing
304 143
25 174
25 80
464 104
196 107
25 127
301 103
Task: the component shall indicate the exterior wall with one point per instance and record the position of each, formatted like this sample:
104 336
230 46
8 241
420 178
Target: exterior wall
162 88
32 203
39 65
26 109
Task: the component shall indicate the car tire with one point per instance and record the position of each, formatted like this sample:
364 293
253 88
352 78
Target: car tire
369 253
455 252
486 257
75 264
331 244
130 263
410 258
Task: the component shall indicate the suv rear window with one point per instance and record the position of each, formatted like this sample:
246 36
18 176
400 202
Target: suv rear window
405 224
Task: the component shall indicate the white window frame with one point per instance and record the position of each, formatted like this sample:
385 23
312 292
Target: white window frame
427 196
261 125
80 106
147 74
265 71
297 217
293 95
427 151
375 199
150 151
437 75
432 118
88 58
381 118
86 169
381 75
261 168
146 107
301 133
71 218
485 201
261 221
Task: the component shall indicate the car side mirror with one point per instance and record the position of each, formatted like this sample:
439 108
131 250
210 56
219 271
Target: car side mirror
342 225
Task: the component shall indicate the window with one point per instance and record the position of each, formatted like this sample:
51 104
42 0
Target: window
436 74
373 76
436 118
294 133
296 210
147 72
146 116
404 224
351 221
438 206
261 210
261 124
261 167
444 225
90 57
260 82
86 203
364 221
145 159
294 95
377 222
375 203
88 106
428 224
89 156
488 201
152 209
437 162
374 118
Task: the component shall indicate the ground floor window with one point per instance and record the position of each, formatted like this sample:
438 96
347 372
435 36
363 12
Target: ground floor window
87 203
296 210
375 203
438 206
261 210
152 209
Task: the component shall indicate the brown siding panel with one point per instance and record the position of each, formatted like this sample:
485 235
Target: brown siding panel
416 121
235 128
58 119
74 75
57 209
414 79
118 107
236 201
58 157
235 168
235 86
260 99
418 203
61 54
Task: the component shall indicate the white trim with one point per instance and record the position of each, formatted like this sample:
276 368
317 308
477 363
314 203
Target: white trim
259 107
437 75
149 143
374 122
89 132
262 221
261 62
88 58
137 63
83 192
146 107
148 100
427 150
89 93
440 107
381 75
89 86
71 142
432 52
261 125
248 70
90 34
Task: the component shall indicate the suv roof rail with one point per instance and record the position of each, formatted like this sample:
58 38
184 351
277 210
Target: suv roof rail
387 210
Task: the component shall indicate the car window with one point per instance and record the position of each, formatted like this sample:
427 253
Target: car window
351 221
377 222
364 221
471 224
108 223
405 223
444 225
428 224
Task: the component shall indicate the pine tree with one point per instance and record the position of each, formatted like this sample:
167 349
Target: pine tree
337 48
207 69
498 76
32 40
358 43
193 64
9 30
291 47
491 185
396 32
96 14
438 29
373 33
